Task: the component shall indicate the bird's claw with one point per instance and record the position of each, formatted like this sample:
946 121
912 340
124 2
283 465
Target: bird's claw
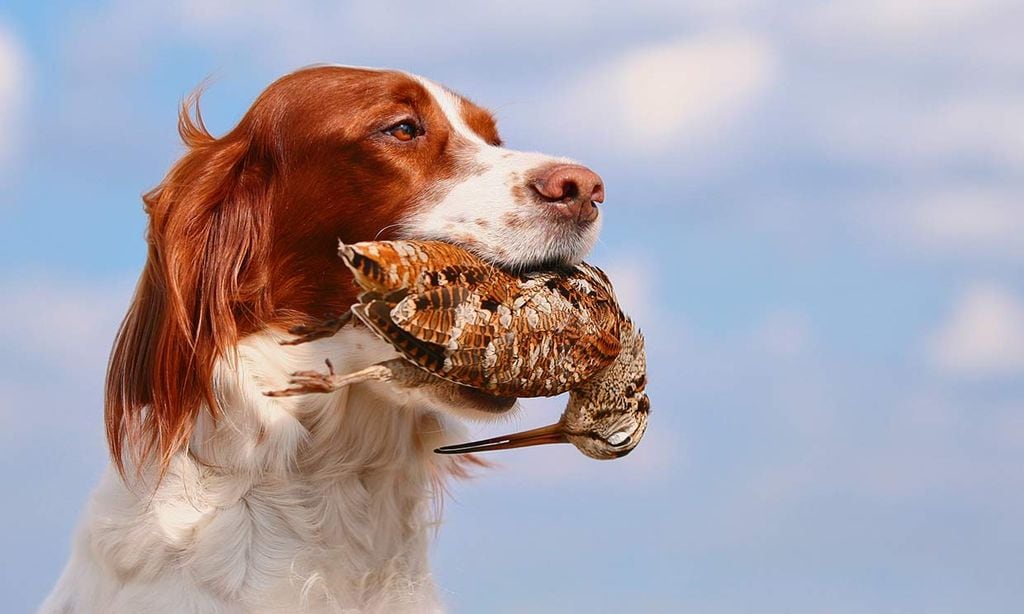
306 382
311 332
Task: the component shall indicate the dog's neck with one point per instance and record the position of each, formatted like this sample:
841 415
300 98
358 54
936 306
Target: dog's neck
319 500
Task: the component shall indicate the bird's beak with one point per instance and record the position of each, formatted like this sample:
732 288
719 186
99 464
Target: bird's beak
553 433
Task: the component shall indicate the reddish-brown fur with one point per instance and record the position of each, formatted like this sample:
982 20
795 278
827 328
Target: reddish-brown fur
243 232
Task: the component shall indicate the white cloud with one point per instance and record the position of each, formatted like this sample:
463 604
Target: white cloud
671 95
633 279
68 325
903 124
984 335
963 222
903 22
893 83
492 52
12 88
287 35
56 335
968 220
976 127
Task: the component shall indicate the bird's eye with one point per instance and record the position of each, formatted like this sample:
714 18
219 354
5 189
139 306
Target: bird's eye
405 130
619 439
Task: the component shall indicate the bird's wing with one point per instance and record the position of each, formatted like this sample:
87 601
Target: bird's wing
385 266
533 348
376 314
439 315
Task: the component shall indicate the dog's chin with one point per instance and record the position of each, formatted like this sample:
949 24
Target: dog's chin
531 256
541 242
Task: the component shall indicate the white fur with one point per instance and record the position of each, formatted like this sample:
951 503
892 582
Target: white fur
317 503
488 195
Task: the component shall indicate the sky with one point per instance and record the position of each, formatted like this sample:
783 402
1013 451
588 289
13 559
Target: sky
815 211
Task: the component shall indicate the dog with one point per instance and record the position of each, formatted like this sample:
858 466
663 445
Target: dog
221 499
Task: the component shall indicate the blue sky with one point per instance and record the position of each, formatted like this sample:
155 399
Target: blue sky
815 211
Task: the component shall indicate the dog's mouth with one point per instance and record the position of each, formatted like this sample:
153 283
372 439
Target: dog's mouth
563 263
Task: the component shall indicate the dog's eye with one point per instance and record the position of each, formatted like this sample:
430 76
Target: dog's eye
405 130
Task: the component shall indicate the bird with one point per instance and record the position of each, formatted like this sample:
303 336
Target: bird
458 320
605 418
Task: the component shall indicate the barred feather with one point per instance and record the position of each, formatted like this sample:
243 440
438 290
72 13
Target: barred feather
535 334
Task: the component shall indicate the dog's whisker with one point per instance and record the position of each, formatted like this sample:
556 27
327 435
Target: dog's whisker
381 231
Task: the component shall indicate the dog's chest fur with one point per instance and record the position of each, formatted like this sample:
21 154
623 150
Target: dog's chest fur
320 502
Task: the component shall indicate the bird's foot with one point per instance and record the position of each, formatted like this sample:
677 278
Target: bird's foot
307 382
312 332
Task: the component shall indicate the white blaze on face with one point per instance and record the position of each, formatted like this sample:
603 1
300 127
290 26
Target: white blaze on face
494 211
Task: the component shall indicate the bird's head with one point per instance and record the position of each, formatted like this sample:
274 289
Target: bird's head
607 415
605 434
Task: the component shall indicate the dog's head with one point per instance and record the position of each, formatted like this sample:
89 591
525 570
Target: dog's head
244 228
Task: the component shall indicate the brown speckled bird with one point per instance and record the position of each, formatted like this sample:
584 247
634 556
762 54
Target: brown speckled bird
456 317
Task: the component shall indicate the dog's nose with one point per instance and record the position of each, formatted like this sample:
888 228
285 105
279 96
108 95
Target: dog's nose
572 189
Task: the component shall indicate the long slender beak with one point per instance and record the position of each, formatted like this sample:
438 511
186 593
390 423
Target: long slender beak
553 433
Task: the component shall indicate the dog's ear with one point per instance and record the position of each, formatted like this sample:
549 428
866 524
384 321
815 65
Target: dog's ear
203 283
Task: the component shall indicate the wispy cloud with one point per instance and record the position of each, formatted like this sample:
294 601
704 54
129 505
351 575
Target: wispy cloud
964 222
55 335
909 22
13 85
792 422
905 91
918 130
634 277
984 334
670 95
69 325
284 36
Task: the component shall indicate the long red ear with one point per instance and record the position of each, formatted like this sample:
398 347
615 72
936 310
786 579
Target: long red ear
201 287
